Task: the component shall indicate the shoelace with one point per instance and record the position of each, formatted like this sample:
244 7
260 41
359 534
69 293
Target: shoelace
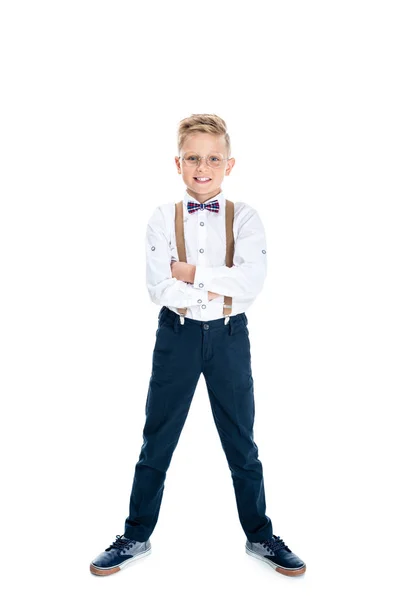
275 544
120 543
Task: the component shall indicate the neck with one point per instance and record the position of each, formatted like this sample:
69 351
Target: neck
202 197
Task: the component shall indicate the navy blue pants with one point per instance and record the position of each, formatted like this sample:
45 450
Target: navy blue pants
181 353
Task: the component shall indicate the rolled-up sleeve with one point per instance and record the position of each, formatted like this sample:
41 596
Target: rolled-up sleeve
163 289
249 270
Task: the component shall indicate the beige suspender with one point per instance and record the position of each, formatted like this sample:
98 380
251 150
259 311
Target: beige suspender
181 249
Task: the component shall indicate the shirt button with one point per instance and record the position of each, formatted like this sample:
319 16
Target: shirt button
201 223
206 326
264 251
203 306
201 284
201 250
153 247
199 300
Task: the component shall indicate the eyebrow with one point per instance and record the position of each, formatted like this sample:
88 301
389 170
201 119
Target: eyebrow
195 152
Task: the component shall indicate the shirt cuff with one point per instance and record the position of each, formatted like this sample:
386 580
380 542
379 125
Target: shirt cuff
201 280
199 295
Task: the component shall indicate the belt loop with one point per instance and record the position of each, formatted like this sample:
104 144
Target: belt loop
176 323
230 325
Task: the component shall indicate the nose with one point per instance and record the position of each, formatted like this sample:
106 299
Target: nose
203 158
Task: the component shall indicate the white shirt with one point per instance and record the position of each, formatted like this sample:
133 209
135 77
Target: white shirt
205 240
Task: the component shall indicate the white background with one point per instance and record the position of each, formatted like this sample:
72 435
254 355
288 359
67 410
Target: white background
92 94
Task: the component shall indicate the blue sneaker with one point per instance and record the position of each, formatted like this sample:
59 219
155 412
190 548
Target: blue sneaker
121 553
277 555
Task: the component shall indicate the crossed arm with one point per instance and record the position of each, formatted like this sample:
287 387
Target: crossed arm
170 283
186 272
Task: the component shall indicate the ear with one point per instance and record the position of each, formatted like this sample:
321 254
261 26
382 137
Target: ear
229 166
178 163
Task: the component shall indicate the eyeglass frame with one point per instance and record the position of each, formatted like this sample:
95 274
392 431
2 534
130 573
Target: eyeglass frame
201 157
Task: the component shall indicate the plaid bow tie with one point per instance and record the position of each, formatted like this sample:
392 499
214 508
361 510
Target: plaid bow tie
212 206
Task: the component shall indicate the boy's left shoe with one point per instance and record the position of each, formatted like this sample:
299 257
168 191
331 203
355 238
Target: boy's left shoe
277 555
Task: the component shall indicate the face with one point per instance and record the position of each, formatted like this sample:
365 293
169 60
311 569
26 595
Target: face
204 144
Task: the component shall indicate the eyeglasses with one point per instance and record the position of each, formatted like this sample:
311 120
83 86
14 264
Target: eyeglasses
215 160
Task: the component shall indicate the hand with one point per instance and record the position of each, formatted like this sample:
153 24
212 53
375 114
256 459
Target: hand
212 295
183 271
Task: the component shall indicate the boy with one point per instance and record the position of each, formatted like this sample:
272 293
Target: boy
206 263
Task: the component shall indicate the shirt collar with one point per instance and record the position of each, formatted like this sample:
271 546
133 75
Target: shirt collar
220 197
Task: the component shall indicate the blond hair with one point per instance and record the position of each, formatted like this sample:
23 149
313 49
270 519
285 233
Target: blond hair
206 124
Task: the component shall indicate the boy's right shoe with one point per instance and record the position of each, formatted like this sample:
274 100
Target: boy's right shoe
121 553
